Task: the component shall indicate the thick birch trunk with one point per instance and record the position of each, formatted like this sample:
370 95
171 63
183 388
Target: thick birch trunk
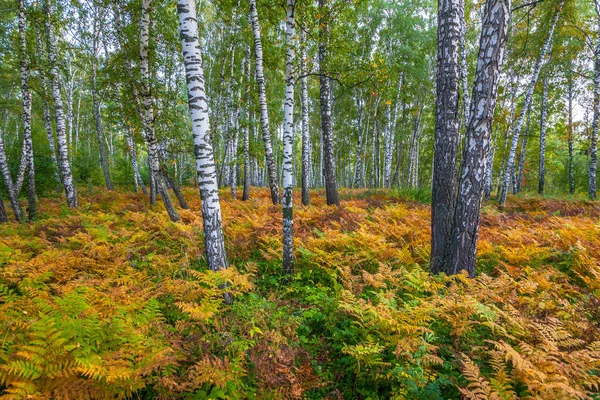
509 172
262 100
450 15
463 242
216 255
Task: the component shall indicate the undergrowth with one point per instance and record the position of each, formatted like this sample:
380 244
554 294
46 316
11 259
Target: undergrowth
114 301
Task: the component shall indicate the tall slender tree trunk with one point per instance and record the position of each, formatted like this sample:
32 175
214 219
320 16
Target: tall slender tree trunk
487 189
246 128
46 110
61 135
262 100
450 15
520 168
306 167
596 116
148 116
216 256
509 172
570 134
358 165
97 113
288 141
3 216
542 169
325 99
8 182
26 101
463 242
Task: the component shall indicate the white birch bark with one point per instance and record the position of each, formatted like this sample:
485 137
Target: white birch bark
306 167
461 250
288 141
61 135
26 102
509 171
148 114
246 128
262 100
216 255
596 112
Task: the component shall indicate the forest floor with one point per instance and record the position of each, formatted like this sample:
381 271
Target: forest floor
114 301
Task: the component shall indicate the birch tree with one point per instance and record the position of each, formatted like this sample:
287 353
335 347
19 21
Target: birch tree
509 171
246 128
26 102
61 135
460 254
216 255
262 100
596 112
288 141
148 116
542 168
450 14
325 100
306 167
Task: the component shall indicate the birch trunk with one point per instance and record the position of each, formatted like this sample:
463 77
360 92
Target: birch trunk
3 216
542 169
306 167
570 135
262 100
325 99
463 243
8 182
359 148
97 113
216 255
148 115
596 115
26 102
288 139
61 135
246 128
523 153
509 172
450 15
47 118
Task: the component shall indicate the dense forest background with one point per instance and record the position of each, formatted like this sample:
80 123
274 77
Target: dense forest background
397 199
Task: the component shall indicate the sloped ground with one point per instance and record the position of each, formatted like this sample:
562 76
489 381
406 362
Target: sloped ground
114 301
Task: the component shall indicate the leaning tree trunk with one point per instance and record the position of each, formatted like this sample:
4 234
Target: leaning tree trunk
462 246
262 100
542 169
148 115
570 135
509 171
246 128
325 99
26 101
306 167
61 135
216 255
521 167
288 142
450 14
98 115
8 182
596 116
